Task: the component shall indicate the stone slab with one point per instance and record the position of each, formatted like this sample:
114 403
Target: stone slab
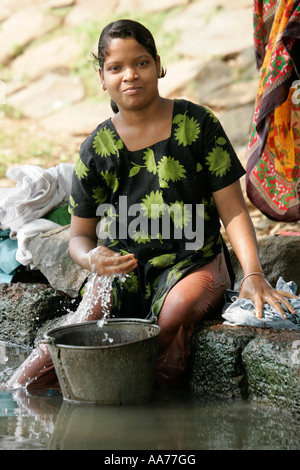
78 119
47 95
58 53
150 7
23 27
90 10
208 40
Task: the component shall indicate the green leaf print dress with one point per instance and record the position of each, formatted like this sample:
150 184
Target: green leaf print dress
157 202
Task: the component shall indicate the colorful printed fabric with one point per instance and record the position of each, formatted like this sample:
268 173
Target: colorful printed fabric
272 178
180 172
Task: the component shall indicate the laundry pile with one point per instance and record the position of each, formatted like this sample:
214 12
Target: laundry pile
37 204
241 311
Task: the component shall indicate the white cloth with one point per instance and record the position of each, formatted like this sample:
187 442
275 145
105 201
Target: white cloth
36 193
24 236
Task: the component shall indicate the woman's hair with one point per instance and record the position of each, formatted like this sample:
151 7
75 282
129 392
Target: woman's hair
123 29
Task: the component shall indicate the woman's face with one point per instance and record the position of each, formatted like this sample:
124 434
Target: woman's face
130 74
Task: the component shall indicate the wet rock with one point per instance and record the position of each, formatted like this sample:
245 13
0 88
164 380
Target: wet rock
243 362
216 365
272 364
25 307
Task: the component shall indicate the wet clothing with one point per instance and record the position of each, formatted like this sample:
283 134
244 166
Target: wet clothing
242 311
156 200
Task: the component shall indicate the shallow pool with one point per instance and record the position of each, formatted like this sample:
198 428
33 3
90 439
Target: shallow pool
173 420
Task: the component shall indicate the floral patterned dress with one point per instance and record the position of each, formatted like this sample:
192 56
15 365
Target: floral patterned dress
157 201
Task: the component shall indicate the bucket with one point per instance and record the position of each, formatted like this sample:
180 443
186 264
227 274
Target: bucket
110 364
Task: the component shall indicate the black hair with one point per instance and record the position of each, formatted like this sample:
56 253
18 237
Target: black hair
123 29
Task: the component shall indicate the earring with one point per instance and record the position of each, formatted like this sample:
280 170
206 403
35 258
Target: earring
103 87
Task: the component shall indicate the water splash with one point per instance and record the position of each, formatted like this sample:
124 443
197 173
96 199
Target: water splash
99 289
97 296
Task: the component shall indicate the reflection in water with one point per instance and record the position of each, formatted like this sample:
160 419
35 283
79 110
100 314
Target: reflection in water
178 423
173 419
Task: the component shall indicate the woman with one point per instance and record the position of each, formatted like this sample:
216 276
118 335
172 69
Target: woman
160 156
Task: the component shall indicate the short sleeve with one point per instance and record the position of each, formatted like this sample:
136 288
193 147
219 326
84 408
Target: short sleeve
88 189
219 159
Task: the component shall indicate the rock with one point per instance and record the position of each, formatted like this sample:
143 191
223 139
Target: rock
50 254
195 78
9 7
60 3
233 95
251 363
214 75
278 255
216 366
194 13
25 307
70 119
209 40
89 10
151 7
179 75
237 123
57 54
47 95
245 65
272 364
23 27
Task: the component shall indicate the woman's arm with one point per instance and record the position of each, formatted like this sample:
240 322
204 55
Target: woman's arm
239 228
85 253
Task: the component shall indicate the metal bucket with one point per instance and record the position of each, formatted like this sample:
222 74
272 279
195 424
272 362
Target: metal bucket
113 363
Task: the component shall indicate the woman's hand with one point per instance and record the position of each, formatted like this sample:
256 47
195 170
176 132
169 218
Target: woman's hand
85 252
107 262
256 288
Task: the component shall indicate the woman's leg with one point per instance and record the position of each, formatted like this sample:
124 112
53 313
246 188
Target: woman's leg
195 296
37 371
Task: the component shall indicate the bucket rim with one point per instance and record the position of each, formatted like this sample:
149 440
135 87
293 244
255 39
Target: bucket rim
48 339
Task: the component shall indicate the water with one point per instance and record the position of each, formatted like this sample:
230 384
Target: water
98 288
173 419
